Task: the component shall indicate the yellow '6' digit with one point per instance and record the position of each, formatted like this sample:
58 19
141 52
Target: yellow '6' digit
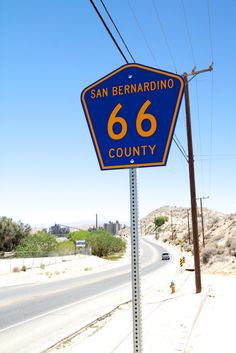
113 119
143 116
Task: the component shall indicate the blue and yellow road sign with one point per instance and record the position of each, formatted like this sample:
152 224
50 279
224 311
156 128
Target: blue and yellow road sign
131 114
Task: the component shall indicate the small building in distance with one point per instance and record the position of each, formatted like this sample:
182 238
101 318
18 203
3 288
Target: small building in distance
59 230
112 227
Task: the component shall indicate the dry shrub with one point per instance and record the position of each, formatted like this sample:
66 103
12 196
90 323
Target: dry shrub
188 248
231 244
207 254
220 258
219 236
220 251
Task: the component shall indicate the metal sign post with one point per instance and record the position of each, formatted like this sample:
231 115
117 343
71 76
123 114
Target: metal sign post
131 114
136 287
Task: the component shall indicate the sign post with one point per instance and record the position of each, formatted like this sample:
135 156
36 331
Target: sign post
131 114
136 287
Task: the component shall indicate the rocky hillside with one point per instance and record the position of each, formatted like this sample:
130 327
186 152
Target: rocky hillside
219 252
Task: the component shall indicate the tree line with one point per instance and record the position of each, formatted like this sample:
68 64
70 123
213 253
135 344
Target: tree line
17 237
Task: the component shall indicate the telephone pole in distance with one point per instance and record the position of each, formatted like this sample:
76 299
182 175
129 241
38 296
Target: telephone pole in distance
203 233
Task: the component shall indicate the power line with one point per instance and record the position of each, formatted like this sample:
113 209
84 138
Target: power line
199 135
212 85
180 144
117 30
188 32
164 34
201 160
209 158
198 118
210 30
223 155
211 126
212 91
180 147
108 30
142 32
175 138
192 78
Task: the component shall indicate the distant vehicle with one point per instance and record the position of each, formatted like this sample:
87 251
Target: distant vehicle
165 256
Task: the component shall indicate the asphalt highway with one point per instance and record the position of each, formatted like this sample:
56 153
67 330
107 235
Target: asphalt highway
35 316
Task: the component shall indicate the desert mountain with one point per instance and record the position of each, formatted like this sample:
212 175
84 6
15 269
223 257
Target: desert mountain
219 252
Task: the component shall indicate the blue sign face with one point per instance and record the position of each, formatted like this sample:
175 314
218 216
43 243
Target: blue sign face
131 114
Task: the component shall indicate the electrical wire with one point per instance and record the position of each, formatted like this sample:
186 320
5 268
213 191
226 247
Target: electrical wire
216 156
199 135
188 32
210 30
183 154
211 129
175 138
180 147
212 91
117 30
192 78
142 32
108 30
164 34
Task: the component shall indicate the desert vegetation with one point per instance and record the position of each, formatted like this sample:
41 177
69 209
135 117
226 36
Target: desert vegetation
219 252
16 237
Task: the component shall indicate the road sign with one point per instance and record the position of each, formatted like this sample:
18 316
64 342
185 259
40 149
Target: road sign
80 243
131 114
182 261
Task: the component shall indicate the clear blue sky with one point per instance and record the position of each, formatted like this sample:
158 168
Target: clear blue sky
50 50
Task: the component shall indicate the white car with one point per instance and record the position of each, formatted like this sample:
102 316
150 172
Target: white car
165 256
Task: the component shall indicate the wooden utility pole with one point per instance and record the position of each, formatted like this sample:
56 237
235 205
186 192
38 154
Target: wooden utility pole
192 189
202 219
171 224
192 179
189 236
203 237
173 229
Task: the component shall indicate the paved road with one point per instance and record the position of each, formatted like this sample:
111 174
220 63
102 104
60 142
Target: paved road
35 316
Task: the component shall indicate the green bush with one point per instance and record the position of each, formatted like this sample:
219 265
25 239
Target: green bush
78 235
12 233
38 245
159 221
65 248
101 242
